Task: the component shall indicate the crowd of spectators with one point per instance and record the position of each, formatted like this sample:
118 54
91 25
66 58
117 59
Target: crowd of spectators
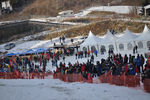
116 63
34 62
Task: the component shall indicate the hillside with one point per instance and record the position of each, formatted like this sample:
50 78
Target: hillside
52 7
99 28
24 9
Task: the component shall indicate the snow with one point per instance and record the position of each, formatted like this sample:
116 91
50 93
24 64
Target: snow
116 9
50 89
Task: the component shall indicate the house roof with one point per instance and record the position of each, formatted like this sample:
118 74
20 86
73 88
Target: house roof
147 7
67 11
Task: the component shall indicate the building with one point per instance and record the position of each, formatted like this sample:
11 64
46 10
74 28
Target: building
68 13
147 10
5 7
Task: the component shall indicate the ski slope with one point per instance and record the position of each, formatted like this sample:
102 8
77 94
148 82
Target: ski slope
52 89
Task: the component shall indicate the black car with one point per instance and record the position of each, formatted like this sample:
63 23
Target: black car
9 46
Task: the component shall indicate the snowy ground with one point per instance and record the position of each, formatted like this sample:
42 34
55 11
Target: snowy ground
57 90
116 9
22 46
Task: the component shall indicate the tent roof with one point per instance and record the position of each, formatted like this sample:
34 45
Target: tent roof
109 37
128 36
36 50
91 40
145 34
10 54
31 51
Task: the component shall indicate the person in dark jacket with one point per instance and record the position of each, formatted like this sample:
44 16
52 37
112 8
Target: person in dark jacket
138 62
132 69
130 59
136 47
76 56
99 68
142 62
85 52
92 58
125 59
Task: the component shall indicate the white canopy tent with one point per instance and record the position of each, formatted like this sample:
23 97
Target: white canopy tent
91 42
127 41
143 41
109 40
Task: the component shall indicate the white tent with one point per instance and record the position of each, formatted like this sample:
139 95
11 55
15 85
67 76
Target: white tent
145 34
124 43
108 38
109 41
143 41
127 37
127 41
90 41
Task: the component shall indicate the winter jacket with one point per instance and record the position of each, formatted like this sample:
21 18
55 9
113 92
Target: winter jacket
138 61
132 70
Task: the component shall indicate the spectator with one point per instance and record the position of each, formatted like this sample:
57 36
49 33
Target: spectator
142 62
125 59
138 63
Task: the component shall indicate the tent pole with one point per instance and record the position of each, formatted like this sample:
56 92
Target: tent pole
116 47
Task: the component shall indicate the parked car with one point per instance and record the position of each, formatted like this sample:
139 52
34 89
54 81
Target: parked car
9 46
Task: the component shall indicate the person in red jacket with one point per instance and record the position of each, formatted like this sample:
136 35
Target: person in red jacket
90 78
148 60
88 53
83 68
126 69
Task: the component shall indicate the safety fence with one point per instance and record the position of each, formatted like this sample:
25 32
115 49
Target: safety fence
72 77
19 75
147 85
119 80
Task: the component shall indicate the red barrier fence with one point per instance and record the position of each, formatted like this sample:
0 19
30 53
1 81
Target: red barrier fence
72 78
147 85
18 75
119 80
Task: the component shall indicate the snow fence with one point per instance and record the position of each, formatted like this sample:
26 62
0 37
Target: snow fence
119 80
